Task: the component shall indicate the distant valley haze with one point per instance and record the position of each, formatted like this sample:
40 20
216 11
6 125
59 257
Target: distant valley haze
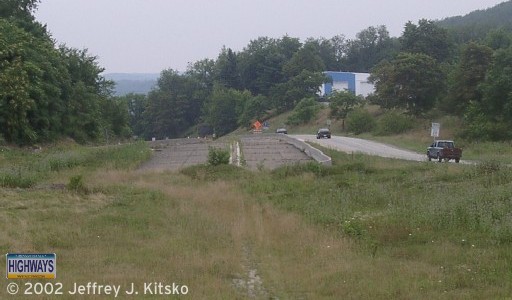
137 83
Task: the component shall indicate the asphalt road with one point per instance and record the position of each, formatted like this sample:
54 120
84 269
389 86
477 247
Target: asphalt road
354 145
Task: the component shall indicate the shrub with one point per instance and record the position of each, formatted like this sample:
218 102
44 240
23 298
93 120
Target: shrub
360 121
393 122
304 112
218 156
76 184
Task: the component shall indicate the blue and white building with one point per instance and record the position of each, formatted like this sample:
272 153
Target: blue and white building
357 83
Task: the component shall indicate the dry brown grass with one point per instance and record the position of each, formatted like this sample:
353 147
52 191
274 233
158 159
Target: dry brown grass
292 259
223 243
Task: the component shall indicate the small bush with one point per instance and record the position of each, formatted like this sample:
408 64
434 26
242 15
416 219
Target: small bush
218 156
76 184
353 228
360 121
393 122
305 111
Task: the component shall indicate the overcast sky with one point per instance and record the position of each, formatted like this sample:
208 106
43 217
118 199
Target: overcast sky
148 36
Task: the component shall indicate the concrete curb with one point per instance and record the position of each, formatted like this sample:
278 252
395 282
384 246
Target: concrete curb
309 150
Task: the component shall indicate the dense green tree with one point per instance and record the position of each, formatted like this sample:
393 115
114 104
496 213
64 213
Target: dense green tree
224 108
327 50
499 39
412 81
48 92
427 38
466 77
497 88
174 106
226 69
305 59
288 46
305 85
115 118
84 92
305 111
496 104
341 103
135 105
371 46
261 63
15 101
18 9
203 72
254 109
158 116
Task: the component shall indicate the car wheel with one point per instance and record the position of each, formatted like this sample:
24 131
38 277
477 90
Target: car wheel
457 160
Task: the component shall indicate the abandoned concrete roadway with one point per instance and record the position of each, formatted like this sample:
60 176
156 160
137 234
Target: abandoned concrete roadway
267 151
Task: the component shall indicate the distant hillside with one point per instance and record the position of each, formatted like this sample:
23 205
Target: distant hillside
476 25
137 83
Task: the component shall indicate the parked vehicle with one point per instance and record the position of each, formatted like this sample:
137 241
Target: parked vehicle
282 130
444 149
323 133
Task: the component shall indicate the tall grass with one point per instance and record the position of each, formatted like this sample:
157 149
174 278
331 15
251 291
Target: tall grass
24 168
410 211
365 228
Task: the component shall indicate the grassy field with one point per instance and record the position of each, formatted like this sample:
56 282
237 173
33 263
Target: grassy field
365 228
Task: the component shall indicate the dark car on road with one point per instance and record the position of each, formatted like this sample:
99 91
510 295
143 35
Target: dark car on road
323 133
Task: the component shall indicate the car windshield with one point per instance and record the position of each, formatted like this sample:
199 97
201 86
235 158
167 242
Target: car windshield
323 130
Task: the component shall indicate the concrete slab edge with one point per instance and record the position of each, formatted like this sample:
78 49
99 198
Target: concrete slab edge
309 150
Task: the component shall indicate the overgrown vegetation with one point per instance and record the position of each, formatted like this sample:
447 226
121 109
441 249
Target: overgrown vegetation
407 214
49 92
393 122
304 112
359 121
446 226
217 156
33 167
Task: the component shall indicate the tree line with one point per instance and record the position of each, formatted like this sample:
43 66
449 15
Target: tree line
49 92
471 80
267 77
424 69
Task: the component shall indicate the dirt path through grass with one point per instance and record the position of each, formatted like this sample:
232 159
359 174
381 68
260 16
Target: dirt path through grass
256 251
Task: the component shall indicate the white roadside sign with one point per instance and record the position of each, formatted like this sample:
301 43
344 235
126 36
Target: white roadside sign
434 131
